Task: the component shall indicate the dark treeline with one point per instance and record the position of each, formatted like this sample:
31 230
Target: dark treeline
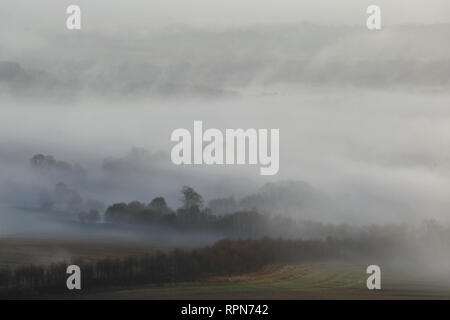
193 215
226 257
229 257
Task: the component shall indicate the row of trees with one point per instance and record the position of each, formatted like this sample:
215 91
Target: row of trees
226 257
192 215
416 246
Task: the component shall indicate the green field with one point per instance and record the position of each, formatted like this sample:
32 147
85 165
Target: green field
300 281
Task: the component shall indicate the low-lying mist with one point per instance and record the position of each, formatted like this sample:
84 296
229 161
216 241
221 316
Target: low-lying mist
363 120
370 156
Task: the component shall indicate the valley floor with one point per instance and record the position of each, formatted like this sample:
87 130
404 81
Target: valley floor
301 281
